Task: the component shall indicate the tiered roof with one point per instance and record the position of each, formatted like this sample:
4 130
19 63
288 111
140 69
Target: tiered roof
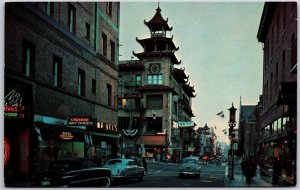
158 23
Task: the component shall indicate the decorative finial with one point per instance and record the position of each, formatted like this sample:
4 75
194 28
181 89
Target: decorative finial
158 4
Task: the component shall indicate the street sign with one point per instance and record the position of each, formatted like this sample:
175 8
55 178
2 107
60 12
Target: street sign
183 124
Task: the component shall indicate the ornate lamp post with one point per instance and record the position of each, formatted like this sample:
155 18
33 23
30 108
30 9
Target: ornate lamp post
232 124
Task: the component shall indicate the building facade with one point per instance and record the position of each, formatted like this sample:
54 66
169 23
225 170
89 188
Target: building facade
278 34
155 98
60 83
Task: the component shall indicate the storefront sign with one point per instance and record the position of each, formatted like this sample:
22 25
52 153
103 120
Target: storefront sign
66 135
182 124
79 121
106 126
14 111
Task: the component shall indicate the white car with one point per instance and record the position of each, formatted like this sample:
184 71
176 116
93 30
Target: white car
191 166
124 169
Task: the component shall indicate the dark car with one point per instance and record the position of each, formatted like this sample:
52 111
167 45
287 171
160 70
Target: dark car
73 172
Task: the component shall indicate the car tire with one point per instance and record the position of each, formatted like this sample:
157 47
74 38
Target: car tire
106 182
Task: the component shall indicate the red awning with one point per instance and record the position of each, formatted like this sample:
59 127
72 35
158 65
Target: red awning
152 140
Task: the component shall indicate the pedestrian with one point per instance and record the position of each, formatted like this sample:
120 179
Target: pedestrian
145 165
276 172
243 167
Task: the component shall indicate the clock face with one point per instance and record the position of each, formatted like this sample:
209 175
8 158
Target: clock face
154 68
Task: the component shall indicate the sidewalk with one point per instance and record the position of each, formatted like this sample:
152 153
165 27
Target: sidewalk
240 180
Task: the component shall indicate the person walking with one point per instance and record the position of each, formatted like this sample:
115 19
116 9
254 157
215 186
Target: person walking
276 172
145 165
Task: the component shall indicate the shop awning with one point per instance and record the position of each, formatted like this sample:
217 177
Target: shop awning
101 134
153 140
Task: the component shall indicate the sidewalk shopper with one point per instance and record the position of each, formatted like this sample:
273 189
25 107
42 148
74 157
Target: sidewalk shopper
276 172
145 165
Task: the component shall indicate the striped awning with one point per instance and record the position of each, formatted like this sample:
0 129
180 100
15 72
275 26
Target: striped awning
152 141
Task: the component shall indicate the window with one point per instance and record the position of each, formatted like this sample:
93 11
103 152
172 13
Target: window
28 56
138 80
87 27
104 44
109 95
155 79
283 67
277 29
109 8
276 77
175 110
57 71
93 86
112 51
81 83
71 18
48 6
284 16
271 88
154 101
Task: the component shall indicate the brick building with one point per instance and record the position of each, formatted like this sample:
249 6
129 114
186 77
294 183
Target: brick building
278 33
60 66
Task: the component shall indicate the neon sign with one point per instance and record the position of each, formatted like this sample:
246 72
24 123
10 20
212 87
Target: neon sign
14 111
106 126
78 121
66 135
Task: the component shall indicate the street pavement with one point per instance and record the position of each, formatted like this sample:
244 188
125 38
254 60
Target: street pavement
240 180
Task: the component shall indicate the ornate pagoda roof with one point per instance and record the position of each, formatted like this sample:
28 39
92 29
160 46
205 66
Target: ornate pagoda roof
159 39
189 90
180 75
158 23
164 53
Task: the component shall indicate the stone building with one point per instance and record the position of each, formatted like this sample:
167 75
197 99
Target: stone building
278 34
155 98
60 83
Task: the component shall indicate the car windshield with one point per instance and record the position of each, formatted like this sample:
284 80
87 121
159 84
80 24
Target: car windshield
114 162
193 161
65 164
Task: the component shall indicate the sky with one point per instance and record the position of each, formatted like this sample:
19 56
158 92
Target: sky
217 47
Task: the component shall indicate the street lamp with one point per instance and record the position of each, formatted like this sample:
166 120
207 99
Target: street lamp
232 124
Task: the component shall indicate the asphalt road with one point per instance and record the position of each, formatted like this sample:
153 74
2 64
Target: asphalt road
166 175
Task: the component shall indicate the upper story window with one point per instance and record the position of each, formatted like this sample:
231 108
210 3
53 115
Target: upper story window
81 83
93 86
104 44
109 95
138 80
57 71
48 8
293 51
112 51
71 18
109 8
88 31
28 56
155 79
154 101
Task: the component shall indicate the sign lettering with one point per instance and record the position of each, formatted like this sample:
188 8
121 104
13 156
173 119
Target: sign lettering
106 126
79 121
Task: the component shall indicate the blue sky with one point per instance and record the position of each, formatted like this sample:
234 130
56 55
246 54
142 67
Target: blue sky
217 46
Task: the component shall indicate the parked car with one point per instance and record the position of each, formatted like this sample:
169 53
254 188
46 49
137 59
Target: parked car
73 172
124 169
190 166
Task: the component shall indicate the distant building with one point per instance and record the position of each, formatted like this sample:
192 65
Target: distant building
247 131
155 98
60 83
278 121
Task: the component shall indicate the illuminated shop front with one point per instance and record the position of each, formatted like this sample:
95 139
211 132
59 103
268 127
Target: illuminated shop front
17 130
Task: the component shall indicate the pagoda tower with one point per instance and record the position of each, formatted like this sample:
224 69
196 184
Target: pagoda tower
158 45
